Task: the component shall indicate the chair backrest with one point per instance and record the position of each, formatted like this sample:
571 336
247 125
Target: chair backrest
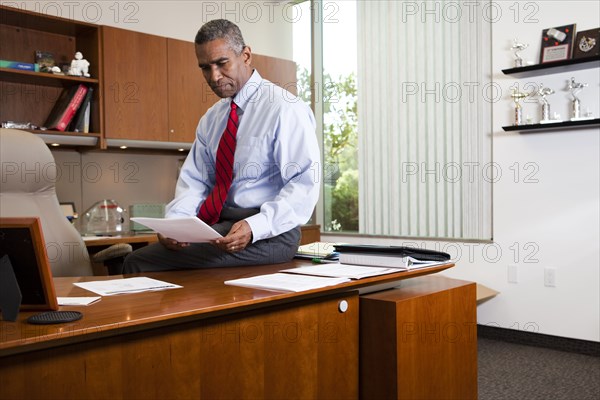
27 189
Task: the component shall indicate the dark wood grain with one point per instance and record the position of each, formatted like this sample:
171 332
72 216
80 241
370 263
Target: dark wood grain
189 94
419 341
206 340
134 85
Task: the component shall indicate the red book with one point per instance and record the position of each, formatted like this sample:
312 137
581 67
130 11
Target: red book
65 107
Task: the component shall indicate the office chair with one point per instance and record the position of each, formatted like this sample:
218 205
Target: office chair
27 188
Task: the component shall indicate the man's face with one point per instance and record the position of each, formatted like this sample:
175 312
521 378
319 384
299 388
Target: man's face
224 71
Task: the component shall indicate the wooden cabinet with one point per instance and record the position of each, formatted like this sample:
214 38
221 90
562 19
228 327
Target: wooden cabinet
279 71
419 341
153 86
163 101
27 96
146 87
135 93
189 94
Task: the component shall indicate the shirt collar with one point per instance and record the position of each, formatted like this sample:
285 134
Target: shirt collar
243 96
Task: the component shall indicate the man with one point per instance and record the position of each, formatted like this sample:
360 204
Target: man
268 136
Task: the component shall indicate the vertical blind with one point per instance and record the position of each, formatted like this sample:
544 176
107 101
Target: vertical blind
424 120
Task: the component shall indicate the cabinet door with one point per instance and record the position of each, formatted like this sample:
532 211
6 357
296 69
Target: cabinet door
135 89
189 94
279 71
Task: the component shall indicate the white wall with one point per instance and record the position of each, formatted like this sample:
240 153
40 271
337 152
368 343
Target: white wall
548 215
266 25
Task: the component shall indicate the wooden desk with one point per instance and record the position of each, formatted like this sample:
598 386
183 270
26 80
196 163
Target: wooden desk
206 340
142 239
419 341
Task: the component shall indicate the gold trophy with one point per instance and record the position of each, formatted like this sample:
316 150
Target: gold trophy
517 97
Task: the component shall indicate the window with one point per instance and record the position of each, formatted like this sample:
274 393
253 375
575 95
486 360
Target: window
406 118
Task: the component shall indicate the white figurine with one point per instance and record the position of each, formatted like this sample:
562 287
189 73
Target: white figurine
79 66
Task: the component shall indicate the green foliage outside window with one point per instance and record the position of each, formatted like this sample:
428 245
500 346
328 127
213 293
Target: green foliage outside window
340 136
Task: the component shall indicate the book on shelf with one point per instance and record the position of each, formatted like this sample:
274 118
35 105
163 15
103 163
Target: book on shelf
65 107
81 120
23 66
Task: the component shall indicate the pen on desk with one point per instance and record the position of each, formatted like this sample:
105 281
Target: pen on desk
323 261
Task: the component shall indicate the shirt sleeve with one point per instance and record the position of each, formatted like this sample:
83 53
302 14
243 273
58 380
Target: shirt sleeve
195 177
296 154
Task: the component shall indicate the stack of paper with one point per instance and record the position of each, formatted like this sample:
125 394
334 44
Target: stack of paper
310 277
341 271
286 282
128 285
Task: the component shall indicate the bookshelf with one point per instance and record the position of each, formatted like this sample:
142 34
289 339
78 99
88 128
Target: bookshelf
29 96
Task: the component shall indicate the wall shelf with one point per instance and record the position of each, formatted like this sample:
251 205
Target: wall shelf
588 123
42 78
554 67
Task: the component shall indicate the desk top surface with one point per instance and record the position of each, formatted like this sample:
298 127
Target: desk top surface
204 295
91 241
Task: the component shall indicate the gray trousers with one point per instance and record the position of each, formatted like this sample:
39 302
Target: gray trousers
156 257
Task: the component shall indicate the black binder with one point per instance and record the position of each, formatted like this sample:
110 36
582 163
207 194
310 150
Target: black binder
397 251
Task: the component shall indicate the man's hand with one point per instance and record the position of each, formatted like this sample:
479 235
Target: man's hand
171 244
237 239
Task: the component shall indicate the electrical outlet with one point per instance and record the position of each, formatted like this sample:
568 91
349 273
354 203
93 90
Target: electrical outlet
550 277
512 274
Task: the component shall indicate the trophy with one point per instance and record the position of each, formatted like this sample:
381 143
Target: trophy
517 97
543 92
576 87
518 47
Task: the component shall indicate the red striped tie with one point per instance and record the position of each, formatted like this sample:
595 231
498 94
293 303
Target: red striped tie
210 210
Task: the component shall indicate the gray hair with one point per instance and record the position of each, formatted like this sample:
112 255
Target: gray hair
221 29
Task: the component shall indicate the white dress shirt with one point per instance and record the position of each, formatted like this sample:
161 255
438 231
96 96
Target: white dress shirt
276 165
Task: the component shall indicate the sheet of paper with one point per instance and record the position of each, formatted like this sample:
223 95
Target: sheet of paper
77 301
341 271
286 282
185 229
127 285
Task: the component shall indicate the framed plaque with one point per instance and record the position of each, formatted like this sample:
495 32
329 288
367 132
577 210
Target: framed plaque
587 43
557 43
22 240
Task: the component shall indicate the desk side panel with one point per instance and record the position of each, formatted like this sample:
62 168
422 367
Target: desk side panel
304 350
433 340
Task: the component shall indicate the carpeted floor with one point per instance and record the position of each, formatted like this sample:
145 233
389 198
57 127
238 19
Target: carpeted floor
520 372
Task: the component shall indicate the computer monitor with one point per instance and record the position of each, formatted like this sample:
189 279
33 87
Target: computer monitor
23 241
